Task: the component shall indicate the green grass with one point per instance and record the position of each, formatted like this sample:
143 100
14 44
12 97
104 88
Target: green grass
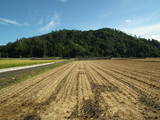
11 78
7 63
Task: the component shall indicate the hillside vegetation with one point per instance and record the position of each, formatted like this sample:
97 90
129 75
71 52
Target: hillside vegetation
104 42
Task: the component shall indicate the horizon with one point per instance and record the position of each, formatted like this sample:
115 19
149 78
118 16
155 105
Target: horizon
20 18
82 31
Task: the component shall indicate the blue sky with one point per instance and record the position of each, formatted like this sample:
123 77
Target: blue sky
26 18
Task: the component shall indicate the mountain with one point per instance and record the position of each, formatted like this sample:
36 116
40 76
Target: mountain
104 42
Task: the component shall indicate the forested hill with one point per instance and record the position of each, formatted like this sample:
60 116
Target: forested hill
73 43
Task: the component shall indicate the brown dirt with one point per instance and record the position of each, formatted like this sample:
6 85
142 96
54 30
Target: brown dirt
87 90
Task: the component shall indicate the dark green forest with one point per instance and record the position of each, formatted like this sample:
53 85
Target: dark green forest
104 42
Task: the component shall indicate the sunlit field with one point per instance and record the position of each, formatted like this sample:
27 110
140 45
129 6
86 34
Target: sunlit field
126 89
149 60
6 63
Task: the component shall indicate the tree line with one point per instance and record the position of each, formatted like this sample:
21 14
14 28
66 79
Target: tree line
104 42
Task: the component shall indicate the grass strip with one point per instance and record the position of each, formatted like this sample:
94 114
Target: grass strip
7 63
10 78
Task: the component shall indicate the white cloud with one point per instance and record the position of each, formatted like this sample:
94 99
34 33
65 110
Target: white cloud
129 21
148 31
145 29
8 21
50 24
155 36
63 1
12 22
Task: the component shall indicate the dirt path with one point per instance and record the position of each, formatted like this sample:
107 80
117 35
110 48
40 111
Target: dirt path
87 90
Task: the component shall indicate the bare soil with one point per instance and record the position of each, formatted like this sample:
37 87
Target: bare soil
87 90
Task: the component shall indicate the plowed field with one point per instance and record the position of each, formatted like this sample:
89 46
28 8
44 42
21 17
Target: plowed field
87 90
